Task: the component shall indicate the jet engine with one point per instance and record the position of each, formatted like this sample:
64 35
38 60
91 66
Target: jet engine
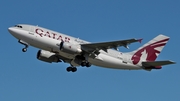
70 48
47 56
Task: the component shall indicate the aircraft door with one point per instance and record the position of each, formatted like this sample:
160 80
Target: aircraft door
31 30
125 58
32 36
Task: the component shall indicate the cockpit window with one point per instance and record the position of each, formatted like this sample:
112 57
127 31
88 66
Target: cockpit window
18 26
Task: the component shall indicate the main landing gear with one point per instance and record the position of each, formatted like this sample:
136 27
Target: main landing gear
81 60
24 43
74 69
87 64
71 69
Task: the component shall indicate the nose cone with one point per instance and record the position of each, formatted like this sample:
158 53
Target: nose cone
11 30
14 31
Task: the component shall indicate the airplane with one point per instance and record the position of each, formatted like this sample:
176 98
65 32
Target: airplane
57 47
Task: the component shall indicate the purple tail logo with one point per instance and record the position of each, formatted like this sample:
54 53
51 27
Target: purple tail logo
149 52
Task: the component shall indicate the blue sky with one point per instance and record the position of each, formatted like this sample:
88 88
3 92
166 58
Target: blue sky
24 78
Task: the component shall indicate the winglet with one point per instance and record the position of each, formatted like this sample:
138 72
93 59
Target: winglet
140 40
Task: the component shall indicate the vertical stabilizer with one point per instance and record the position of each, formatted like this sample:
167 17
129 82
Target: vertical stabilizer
150 50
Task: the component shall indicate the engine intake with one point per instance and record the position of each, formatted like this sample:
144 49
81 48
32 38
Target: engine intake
47 56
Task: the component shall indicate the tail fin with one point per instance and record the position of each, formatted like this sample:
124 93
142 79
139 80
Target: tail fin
150 50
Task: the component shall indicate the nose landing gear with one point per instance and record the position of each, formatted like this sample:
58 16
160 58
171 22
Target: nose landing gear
24 49
24 43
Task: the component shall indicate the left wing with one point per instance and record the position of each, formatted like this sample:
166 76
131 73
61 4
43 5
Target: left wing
93 47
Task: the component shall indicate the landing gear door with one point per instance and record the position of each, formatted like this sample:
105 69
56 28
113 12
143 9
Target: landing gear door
31 30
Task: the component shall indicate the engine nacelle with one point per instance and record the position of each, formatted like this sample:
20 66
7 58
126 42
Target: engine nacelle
47 56
70 48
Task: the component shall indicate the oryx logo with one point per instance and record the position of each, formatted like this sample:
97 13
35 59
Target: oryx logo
149 52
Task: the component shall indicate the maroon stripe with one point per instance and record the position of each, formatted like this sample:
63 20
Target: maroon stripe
160 41
163 44
156 51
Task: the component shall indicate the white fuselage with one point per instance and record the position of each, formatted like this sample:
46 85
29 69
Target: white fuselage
49 40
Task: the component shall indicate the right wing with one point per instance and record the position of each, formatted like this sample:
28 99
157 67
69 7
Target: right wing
94 47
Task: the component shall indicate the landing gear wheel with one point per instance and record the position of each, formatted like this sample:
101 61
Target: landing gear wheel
88 64
24 43
69 69
83 64
74 69
24 49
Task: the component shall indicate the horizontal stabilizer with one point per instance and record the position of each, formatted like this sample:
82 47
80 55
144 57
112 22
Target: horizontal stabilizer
157 63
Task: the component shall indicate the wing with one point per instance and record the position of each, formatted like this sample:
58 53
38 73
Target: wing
157 63
92 47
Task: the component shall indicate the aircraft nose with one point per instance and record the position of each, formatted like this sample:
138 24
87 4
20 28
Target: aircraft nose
10 29
13 31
